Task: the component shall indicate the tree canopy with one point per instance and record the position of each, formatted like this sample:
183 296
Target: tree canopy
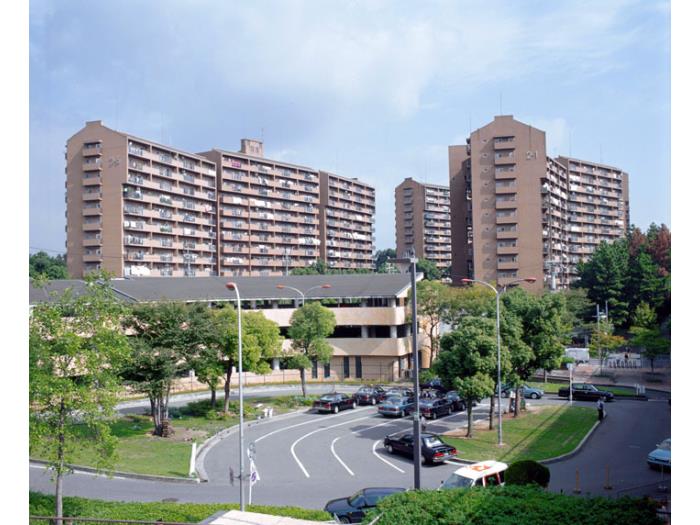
42 263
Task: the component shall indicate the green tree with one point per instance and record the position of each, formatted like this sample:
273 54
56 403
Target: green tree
317 268
603 341
75 351
646 282
380 259
647 334
467 361
429 269
260 342
579 308
162 345
310 326
431 299
605 276
41 263
203 358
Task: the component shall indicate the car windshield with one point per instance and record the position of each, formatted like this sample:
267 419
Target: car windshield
432 441
393 400
329 397
665 444
457 482
356 498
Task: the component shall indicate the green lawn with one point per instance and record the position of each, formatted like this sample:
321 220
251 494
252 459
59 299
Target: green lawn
550 432
140 452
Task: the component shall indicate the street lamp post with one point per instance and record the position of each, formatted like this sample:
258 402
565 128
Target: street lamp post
498 342
411 260
303 294
232 286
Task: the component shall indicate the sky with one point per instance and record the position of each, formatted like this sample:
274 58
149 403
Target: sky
375 90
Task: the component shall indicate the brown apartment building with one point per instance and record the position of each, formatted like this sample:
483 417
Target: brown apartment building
138 208
518 213
423 221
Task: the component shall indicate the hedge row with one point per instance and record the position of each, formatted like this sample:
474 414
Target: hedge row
510 506
43 505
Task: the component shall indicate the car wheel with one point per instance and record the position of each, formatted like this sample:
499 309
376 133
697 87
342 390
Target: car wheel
354 405
462 407
390 449
534 396
344 519
335 409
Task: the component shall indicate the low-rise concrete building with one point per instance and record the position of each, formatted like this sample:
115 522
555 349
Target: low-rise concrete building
372 338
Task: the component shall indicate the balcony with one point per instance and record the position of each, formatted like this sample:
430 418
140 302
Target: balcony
94 241
89 212
92 166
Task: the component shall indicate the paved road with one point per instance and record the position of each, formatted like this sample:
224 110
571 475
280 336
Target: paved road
306 459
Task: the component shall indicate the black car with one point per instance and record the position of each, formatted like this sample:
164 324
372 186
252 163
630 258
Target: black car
352 509
334 402
369 395
400 391
433 450
435 384
458 404
433 408
586 392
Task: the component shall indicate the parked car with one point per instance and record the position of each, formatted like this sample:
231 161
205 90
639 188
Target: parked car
525 391
458 404
661 456
433 408
334 402
369 395
433 449
352 509
394 406
481 474
434 383
401 391
586 392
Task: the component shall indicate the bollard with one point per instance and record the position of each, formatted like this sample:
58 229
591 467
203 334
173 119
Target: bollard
577 488
607 485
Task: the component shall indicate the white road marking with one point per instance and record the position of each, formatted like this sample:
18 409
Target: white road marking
374 451
338 457
301 466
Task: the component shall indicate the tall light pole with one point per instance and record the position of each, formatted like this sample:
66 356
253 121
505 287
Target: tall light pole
411 260
232 286
498 341
303 294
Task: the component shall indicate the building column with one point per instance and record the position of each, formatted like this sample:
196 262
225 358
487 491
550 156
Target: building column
365 332
392 331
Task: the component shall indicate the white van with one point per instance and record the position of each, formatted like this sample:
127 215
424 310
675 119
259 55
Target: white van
482 474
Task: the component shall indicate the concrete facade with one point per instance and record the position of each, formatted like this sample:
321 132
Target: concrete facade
517 213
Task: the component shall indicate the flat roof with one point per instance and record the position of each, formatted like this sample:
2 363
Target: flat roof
213 289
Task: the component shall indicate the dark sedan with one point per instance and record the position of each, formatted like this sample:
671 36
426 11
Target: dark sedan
369 395
433 408
434 384
352 509
395 406
433 449
458 404
586 392
401 391
334 403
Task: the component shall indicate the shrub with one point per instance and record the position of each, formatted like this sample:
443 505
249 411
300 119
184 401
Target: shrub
510 506
527 472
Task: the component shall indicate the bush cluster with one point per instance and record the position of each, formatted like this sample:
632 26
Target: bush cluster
510 506
527 472
43 505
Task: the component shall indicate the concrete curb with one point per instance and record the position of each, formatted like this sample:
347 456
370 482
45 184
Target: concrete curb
223 434
118 474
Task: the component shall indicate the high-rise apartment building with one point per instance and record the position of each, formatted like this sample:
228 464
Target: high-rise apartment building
347 222
423 221
135 207
517 213
138 208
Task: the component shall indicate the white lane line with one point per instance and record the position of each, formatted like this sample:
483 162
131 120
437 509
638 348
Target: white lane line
338 457
291 449
374 451
304 423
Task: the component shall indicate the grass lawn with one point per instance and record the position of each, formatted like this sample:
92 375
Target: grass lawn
140 452
546 433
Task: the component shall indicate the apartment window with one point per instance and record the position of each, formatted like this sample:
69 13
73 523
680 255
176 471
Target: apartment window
326 370
314 369
346 367
358 367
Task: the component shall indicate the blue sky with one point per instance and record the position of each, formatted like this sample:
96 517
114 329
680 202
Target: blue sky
375 90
